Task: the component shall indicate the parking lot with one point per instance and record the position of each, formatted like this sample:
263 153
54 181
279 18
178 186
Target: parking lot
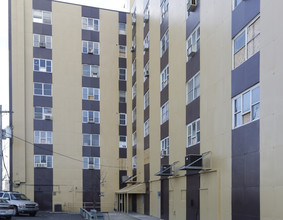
49 216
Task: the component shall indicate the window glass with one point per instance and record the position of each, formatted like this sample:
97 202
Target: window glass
239 42
246 102
37 89
122 74
255 95
122 28
85 163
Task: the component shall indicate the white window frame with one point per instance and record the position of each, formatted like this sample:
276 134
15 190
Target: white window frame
123 31
251 105
146 128
42 89
195 87
164 112
48 158
146 99
193 40
146 71
134 162
91 136
164 145
164 41
134 67
91 47
44 41
41 20
146 41
163 10
164 77
95 164
42 68
93 27
122 144
91 92
43 137
134 114
194 133
92 70
87 119
122 50
122 114
121 74
245 31
134 90
43 112
122 96
134 138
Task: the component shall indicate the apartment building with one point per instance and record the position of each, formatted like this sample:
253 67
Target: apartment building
170 110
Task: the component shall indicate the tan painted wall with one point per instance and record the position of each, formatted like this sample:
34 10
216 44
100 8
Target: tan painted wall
109 110
177 97
22 90
271 117
215 107
67 110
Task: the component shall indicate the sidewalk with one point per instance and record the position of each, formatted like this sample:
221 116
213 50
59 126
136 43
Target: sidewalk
130 216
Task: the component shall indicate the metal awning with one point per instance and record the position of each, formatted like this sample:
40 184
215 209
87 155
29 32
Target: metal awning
129 179
164 172
192 166
133 189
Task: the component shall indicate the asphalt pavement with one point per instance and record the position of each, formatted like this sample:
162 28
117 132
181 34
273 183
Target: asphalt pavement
49 216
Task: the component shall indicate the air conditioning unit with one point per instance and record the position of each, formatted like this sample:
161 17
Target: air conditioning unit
134 20
90 51
146 73
40 165
123 145
146 17
163 153
47 117
134 166
133 48
94 73
42 44
195 160
191 5
192 50
145 46
91 120
91 166
165 169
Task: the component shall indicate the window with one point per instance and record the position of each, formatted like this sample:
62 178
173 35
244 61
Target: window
91 117
90 47
146 99
42 89
164 9
134 138
42 65
165 112
43 17
43 161
193 133
134 67
164 43
134 113
146 71
193 88
42 41
90 70
122 28
90 24
42 113
246 107
122 119
164 147
134 90
146 42
164 77
122 141
43 137
246 43
122 96
91 163
134 162
146 13
122 74
91 140
91 94
146 128
193 42
236 3
122 51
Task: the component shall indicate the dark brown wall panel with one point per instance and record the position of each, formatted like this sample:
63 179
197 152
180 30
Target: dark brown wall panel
146 142
164 95
164 60
164 130
193 111
146 85
193 66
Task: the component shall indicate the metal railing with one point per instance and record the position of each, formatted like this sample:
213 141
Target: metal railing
86 215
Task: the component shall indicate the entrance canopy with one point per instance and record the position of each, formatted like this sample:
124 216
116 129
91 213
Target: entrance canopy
133 189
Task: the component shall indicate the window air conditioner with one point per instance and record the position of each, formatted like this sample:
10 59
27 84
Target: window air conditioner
90 51
94 73
122 145
134 20
192 50
145 46
91 166
191 5
40 165
91 120
47 117
146 17
163 153
42 45
133 48
134 166
146 73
